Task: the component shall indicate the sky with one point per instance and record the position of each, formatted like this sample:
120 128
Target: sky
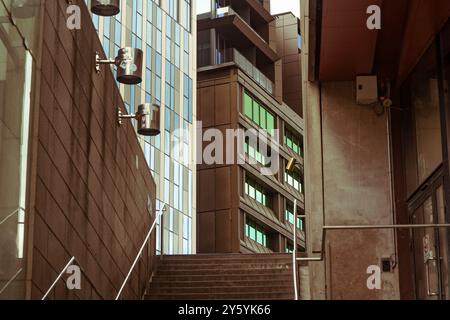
277 6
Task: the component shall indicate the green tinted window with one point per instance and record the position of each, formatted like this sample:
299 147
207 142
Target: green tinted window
289 142
248 106
255 154
263 118
270 124
256 233
296 148
256 192
289 217
259 237
294 180
253 233
293 142
258 114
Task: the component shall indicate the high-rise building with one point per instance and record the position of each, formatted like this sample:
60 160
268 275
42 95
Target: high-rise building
240 86
165 30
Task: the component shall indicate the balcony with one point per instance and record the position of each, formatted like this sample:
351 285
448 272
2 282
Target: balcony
231 55
253 72
228 11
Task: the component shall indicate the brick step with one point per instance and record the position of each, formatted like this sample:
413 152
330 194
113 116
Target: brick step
273 272
240 289
221 277
242 266
165 261
227 256
221 296
160 282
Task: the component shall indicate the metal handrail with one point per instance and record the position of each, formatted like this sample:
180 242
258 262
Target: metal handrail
161 212
367 227
353 227
11 215
71 261
10 280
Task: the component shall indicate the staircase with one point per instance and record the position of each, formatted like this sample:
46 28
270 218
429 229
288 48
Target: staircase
223 276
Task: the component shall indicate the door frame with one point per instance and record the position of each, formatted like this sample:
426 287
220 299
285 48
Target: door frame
428 189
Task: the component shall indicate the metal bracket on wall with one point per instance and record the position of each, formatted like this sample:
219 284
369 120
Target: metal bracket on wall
121 116
99 61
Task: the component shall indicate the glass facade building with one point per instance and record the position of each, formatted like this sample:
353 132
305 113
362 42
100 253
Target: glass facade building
165 31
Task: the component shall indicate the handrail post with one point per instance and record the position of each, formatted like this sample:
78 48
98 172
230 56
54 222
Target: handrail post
294 252
161 235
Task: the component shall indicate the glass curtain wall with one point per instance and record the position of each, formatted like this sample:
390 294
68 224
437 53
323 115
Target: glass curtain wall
163 30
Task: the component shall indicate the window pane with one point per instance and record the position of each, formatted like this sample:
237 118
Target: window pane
270 123
252 192
256 113
259 237
296 148
263 118
289 142
248 106
259 197
252 233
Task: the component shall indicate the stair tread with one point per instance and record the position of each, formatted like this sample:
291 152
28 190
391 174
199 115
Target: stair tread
228 266
264 281
230 295
223 276
227 255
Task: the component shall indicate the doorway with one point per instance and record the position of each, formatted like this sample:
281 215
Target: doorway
429 246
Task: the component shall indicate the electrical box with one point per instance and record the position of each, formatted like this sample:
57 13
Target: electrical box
366 89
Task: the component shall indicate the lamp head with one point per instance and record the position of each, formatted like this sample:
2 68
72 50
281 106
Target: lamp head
291 165
129 63
148 118
106 8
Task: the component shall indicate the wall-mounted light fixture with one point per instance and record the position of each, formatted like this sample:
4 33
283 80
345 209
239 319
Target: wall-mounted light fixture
24 9
129 65
106 8
292 164
148 118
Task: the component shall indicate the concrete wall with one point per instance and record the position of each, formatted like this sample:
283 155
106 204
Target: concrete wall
357 190
93 189
350 184
347 171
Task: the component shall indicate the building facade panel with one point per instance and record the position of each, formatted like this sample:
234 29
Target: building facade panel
86 194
